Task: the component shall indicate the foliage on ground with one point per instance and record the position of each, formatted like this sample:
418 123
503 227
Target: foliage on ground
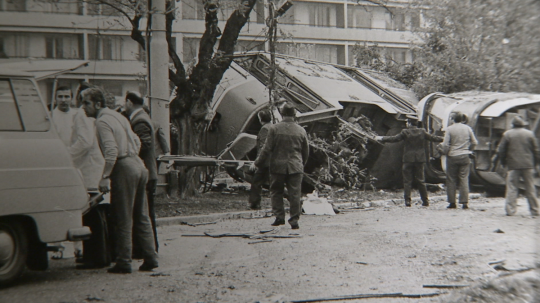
520 288
235 198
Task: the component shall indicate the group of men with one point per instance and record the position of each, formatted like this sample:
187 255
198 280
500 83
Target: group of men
115 153
518 150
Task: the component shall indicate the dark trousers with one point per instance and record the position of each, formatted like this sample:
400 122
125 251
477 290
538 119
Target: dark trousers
294 187
97 249
259 178
414 171
151 193
130 209
457 176
151 187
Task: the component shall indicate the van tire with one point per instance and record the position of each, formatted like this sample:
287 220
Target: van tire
13 258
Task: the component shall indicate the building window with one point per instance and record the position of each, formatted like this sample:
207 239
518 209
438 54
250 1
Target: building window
14 45
194 10
13 5
55 6
190 50
111 47
63 46
322 14
114 87
398 22
358 17
318 52
94 9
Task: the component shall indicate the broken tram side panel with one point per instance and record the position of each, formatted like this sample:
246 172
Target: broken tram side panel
327 97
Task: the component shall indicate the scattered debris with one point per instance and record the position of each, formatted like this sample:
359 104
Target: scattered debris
365 296
268 230
262 241
497 262
499 231
315 205
363 263
159 274
197 224
89 298
443 286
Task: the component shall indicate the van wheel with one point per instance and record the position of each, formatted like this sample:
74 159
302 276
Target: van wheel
13 250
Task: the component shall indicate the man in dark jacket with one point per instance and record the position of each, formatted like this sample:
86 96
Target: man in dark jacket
519 151
262 173
414 157
288 149
142 126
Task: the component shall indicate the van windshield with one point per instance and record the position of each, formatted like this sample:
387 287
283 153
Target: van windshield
21 107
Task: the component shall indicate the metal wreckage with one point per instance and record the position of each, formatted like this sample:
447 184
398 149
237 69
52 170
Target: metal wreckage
342 109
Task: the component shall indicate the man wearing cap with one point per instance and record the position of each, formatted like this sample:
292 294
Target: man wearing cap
414 157
519 151
459 142
287 148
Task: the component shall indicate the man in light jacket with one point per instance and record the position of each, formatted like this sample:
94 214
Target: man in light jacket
459 143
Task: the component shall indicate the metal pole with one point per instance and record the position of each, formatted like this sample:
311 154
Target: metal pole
158 67
273 30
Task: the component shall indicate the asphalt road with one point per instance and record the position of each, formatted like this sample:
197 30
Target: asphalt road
384 249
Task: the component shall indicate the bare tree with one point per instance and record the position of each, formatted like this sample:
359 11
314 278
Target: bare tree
190 110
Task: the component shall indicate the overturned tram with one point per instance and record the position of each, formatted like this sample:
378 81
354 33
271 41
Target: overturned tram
489 115
327 97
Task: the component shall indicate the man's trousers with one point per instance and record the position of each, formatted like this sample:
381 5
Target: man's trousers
130 209
294 188
259 178
457 176
512 190
414 171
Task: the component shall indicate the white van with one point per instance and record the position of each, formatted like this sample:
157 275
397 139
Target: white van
42 196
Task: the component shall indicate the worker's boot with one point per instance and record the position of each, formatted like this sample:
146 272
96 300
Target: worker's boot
452 205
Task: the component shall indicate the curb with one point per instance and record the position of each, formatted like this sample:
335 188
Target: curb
266 213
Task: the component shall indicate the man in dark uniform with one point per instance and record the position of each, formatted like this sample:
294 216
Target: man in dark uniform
288 149
142 126
414 157
262 173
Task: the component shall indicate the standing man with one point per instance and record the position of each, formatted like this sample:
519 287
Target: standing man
414 157
262 172
287 148
519 151
125 176
142 126
459 143
62 115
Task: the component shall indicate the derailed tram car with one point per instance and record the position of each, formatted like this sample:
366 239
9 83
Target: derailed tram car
326 96
489 115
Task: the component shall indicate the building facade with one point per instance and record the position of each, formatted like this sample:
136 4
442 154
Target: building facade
323 30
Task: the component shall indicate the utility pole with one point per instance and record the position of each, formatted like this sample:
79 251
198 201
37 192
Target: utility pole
158 67
271 22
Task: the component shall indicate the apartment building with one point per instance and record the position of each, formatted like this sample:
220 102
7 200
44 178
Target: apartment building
324 30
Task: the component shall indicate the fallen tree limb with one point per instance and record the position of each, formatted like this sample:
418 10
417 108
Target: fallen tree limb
443 286
367 296
196 224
